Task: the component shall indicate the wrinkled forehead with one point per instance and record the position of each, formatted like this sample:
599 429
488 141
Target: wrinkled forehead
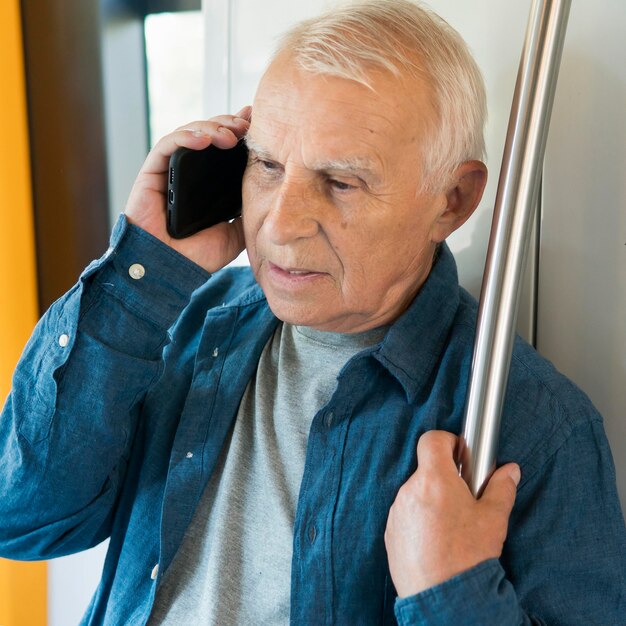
340 109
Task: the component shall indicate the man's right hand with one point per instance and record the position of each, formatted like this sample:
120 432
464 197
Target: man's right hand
214 247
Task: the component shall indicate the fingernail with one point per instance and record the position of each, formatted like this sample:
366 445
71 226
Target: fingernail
224 130
239 119
516 474
195 132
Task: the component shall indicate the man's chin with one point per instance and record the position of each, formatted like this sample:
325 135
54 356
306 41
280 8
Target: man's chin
302 314
298 316
316 318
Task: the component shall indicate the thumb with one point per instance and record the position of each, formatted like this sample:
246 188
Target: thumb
501 489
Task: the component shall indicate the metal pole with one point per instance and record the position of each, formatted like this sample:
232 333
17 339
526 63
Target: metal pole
516 199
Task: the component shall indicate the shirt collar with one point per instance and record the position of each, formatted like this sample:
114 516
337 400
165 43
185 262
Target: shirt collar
413 346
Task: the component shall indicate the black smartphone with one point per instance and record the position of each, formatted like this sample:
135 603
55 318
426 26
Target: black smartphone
204 188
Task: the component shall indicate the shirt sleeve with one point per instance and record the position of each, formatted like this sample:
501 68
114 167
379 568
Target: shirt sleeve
68 424
480 595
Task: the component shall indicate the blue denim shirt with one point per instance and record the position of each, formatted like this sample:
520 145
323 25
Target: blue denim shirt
129 386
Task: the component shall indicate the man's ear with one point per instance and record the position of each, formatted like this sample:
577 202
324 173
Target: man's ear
463 194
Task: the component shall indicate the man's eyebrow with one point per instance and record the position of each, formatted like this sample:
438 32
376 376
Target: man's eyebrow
352 165
253 146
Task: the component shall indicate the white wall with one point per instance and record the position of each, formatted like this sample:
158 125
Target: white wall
72 581
582 270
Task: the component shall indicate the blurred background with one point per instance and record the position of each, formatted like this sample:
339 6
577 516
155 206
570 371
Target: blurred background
87 86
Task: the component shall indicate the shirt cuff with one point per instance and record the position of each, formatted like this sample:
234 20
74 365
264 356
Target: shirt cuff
480 595
150 278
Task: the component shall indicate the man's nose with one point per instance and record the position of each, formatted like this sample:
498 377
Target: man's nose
294 212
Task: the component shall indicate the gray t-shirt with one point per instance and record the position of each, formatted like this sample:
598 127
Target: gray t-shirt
234 565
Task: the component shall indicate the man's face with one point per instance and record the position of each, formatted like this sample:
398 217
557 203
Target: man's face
339 235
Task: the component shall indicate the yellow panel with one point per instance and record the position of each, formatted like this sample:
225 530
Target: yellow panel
22 593
22 585
18 308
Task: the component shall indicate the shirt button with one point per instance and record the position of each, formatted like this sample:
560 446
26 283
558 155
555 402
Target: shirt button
328 420
155 572
137 271
189 455
64 340
216 352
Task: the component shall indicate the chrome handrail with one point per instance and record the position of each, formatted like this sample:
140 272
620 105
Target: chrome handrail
516 199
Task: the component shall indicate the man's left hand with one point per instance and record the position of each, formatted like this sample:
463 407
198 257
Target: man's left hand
436 529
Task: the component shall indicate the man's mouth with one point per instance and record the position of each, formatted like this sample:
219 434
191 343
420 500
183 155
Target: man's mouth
290 269
294 272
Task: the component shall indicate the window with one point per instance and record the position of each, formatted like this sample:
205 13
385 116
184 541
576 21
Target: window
174 60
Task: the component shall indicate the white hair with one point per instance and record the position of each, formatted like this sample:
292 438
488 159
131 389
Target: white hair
403 38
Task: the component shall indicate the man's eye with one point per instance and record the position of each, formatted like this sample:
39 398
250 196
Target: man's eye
268 165
339 185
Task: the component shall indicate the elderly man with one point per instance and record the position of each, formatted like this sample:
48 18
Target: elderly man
275 446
